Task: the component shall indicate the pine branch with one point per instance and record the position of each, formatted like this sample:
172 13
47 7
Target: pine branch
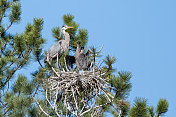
41 107
11 3
2 50
162 107
17 68
8 26
3 12
9 77
36 90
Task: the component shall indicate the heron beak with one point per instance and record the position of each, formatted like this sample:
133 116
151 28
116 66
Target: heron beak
70 27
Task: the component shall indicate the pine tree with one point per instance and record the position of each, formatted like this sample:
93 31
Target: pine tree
16 52
32 97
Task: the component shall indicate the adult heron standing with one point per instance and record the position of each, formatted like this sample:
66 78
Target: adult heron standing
61 47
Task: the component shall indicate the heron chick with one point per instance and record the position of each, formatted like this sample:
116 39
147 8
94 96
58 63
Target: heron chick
82 60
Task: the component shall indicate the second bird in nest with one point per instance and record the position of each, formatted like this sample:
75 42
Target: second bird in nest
82 58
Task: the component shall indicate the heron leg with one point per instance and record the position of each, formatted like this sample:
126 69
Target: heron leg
67 67
47 56
51 60
78 69
57 60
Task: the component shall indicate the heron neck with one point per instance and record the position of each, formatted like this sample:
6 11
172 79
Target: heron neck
78 48
82 52
67 36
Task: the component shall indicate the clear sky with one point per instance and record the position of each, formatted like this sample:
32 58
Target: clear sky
140 33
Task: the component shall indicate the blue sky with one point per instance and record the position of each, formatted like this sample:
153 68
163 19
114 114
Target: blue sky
140 33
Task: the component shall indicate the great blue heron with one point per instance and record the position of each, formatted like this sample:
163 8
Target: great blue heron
82 59
60 47
77 53
77 49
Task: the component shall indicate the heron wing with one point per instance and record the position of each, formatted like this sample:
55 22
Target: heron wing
82 61
56 49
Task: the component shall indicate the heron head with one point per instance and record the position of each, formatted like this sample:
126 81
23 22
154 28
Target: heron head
65 27
79 42
82 48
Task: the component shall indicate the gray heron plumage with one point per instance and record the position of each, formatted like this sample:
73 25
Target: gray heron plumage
82 59
61 47
77 49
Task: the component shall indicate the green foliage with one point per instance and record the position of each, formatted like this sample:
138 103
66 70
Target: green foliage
75 33
19 44
94 53
38 42
123 106
18 104
81 36
102 100
11 10
56 33
151 111
139 109
22 85
68 19
121 84
19 101
15 13
162 107
38 76
17 50
109 61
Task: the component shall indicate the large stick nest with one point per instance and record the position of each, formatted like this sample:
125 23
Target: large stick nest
85 81
77 90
